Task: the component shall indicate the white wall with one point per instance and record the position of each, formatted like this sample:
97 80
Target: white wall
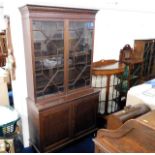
19 85
115 28
2 24
117 23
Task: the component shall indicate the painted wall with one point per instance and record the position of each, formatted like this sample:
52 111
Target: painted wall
117 23
115 28
1 17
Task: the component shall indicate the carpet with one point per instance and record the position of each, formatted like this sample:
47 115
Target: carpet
84 145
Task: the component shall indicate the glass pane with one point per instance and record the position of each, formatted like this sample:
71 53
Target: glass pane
80 49
48 39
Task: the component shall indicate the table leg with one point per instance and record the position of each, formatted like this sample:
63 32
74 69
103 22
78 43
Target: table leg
107 94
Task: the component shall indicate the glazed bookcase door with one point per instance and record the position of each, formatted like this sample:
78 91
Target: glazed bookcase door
48 39
80 50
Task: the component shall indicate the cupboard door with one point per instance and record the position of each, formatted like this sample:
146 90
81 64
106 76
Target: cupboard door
85 112
80 53
48 43
56 125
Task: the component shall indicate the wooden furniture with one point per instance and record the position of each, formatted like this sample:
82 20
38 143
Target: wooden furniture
133 70
62 106
145 49
3 49
126 53
135 136
104 78
117 119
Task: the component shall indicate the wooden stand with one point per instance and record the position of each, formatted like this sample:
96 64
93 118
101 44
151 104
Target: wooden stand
108 69
133 69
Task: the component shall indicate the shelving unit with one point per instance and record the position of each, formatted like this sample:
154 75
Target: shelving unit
49 56
146 50
62 105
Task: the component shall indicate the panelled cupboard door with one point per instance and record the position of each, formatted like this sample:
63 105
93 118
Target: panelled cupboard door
56 125
85 111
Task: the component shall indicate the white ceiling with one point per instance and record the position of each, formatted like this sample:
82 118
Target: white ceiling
128 5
